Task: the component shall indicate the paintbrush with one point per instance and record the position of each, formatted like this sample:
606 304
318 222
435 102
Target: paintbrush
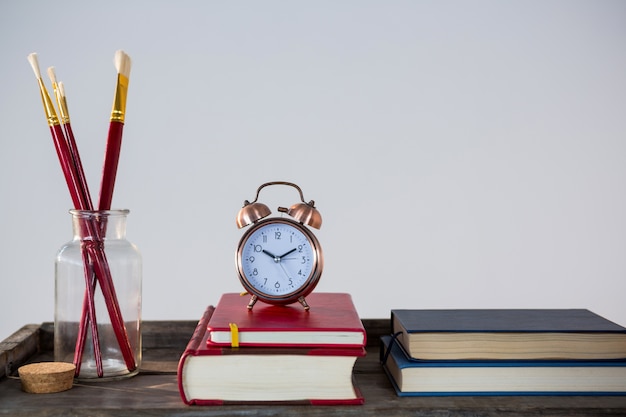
88 317
116 126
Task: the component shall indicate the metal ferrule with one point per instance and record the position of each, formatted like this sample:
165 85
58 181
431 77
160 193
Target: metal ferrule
65 114
62 104
48 106
119 102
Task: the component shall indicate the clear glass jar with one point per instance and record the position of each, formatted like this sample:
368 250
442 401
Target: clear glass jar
98 254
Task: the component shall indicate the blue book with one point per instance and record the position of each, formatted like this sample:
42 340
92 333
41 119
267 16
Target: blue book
508 334
411 377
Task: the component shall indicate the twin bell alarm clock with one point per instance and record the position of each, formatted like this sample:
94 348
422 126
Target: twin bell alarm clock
279 260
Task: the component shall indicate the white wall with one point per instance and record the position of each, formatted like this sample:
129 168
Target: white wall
462 153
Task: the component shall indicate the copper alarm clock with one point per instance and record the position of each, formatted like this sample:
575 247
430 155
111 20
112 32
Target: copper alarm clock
279 260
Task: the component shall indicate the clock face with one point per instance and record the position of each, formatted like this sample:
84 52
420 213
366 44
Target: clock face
279 260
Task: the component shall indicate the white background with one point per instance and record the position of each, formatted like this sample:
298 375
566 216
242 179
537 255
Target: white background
463 154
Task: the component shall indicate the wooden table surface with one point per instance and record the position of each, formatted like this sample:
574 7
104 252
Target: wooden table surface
154 392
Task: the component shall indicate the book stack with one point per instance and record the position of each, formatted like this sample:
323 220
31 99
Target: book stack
274 354
504 352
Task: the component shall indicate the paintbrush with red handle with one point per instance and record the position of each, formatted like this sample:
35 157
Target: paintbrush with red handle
116 128
88 318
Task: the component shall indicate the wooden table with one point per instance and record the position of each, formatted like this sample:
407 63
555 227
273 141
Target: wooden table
154 392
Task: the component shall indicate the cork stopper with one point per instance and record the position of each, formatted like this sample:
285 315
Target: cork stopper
47 377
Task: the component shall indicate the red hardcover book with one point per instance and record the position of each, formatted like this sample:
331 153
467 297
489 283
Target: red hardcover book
332 321
215 375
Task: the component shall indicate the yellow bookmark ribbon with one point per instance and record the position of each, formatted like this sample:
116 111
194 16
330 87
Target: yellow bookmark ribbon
234 335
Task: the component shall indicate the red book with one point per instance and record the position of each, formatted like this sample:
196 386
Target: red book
332 321
215 375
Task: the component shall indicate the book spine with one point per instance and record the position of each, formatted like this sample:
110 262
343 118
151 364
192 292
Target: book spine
192 348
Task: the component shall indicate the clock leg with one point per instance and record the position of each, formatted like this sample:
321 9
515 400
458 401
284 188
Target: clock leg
252 302
304 303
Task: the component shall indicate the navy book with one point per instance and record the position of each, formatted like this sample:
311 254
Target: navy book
508 334
411 377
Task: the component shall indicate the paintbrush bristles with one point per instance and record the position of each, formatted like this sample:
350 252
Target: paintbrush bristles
51 114
122 63
34 62
62 89
60 98
52 75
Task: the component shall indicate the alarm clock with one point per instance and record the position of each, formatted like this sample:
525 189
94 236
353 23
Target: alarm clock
279 260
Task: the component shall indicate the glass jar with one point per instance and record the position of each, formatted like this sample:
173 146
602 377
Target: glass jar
98 273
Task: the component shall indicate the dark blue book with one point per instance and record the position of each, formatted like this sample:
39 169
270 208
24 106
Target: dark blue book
411 377
508 334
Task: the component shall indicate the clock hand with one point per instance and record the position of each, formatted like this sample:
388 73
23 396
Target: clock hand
271 255
285 271
287 253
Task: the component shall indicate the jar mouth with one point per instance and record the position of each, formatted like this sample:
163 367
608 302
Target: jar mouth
99 213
